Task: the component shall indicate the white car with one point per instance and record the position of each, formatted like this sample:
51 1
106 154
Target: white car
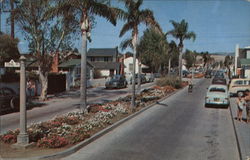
239 86
217 95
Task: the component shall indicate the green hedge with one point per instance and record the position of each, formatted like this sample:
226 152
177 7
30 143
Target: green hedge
170 81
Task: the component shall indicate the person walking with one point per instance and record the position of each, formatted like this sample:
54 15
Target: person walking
240 105
247 99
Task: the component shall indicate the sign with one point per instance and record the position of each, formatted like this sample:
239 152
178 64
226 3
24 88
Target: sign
12 63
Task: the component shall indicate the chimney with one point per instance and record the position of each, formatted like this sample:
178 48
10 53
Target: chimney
54 67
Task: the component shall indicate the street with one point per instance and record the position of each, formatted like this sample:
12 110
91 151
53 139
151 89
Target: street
63 104
178 128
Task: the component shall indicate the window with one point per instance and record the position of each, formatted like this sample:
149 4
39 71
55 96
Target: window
217 90
92 59
106 59
238 82
78 71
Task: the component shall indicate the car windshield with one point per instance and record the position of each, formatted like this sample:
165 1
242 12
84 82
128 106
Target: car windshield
116 77
214 89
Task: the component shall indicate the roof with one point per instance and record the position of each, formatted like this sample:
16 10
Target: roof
100 52
106 65
245 62
72 62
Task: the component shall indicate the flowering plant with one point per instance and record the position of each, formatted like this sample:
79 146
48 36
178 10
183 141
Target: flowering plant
53 141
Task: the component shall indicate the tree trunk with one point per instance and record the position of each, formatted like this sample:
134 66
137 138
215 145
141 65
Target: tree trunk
169 66
83 85
180 64
134 41
139 76
43 77
83 81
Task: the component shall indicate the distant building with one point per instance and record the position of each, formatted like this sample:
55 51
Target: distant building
243 62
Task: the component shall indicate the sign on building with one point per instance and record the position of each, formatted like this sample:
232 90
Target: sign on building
12 63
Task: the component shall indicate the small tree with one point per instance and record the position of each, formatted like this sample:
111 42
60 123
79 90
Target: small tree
45 33
228 63
8 49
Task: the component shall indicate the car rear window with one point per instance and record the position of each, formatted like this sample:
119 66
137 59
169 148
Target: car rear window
217 90
238 82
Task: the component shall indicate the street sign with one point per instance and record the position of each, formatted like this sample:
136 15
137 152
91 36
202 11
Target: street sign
12 63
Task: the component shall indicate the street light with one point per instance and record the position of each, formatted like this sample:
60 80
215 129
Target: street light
22 138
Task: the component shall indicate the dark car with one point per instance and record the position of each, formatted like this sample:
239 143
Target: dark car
9 100
219 75
222 81
208 74
185 73
117 81
143 79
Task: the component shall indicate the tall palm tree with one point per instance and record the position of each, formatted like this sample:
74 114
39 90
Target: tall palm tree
171 52
134 16
228 63
181 33
85 9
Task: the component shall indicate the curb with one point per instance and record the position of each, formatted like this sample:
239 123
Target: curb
236 134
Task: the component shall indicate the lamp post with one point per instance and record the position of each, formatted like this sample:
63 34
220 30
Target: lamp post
22 138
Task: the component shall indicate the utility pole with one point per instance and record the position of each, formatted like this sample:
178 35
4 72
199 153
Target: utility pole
12 20
1 6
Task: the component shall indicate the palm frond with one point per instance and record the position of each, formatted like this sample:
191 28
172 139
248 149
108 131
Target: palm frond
126 43
190 35
103 10
126 27
147 17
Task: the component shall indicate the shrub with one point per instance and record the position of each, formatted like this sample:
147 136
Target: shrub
53 141
10 137
169 81
35 135
76 137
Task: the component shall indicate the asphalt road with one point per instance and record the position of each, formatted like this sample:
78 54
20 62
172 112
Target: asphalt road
62 104
179 128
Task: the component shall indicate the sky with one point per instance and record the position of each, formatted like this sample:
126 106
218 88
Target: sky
219 24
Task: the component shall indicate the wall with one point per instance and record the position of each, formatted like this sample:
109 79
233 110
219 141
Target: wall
128 61
105 72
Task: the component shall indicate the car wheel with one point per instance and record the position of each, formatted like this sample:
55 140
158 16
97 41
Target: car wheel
240 93
14 104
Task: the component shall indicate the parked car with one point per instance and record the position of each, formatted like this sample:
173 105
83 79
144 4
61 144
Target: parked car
143 79
217 95
149 77
208 74
239 86
221 81
117 81
219 74
185 73
9 100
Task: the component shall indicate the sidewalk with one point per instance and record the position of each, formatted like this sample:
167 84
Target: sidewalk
242 130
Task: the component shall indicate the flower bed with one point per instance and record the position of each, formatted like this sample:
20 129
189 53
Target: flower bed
74 127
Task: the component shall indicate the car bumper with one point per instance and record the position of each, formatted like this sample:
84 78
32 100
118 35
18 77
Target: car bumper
219 104
112 86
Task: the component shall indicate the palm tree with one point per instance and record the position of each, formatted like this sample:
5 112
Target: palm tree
134 17
181 32
228 63
171 52
85 9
